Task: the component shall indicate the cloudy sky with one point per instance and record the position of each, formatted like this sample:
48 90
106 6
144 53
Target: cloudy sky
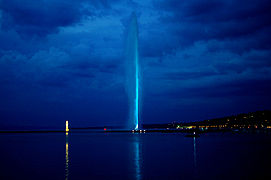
64 59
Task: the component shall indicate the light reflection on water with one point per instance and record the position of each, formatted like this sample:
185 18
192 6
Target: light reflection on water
67 158
195 156
137 157
195 152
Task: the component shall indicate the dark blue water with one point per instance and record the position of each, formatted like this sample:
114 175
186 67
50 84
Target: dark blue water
134 156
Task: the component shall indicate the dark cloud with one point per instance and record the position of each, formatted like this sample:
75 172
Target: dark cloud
187 75
192 21
252 89
39 17
44 17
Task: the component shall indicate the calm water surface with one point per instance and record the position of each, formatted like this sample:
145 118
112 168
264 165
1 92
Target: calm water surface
134 156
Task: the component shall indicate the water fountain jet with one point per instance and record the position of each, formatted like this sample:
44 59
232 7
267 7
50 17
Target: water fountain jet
132 68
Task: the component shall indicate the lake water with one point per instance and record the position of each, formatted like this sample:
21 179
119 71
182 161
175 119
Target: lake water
134 156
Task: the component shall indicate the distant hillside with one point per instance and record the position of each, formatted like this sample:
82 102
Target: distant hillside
258 119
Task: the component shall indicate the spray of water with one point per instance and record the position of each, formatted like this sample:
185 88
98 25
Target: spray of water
132 72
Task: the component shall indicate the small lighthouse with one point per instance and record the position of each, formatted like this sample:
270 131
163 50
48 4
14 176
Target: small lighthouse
67 126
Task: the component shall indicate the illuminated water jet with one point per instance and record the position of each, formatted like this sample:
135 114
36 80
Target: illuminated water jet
132 62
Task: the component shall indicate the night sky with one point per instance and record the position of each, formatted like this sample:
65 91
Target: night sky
64 59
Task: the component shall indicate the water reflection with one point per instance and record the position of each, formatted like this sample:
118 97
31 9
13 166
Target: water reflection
67 158
137 157
195 152
195 143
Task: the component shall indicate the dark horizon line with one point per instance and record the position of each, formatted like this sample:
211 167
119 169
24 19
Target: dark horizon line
62 129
